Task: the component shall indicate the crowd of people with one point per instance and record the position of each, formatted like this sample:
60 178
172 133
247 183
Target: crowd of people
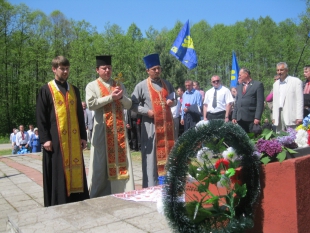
149 120
25 141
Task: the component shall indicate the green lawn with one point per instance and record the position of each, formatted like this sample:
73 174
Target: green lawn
136 156
5 152
4 140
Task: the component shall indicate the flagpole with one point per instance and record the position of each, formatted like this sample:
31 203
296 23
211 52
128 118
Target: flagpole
301 54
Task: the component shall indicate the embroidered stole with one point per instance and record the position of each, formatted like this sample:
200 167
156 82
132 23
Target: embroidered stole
69 137
164 128
116 149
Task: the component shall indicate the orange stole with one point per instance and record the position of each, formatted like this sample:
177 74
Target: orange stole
115 137
164 128
69 137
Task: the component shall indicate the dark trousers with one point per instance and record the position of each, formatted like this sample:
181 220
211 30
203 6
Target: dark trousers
216 115
135 134
246 125
190 120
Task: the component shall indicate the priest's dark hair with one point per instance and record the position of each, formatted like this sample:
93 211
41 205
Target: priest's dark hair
60 60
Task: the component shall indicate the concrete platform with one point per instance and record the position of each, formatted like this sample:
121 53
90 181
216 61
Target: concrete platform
21 204
105 214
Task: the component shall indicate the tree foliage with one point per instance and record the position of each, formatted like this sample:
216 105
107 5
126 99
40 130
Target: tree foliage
30 40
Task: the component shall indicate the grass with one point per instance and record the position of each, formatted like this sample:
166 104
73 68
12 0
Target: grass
4 139
136 156
6 152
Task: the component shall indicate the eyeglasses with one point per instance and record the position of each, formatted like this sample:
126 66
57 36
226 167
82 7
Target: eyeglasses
215 81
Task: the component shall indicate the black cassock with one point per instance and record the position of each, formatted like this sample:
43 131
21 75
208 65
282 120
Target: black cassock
54 182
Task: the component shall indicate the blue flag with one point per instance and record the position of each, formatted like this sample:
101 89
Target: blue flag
183 48
234 71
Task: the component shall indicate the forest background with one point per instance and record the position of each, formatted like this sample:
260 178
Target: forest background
29 40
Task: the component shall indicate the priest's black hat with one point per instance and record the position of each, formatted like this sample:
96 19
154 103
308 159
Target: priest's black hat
103 60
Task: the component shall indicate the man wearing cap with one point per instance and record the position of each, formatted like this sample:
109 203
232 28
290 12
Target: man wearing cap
62 132
152 98
110 169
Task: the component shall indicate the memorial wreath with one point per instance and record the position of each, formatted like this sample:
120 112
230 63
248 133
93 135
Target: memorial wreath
207 208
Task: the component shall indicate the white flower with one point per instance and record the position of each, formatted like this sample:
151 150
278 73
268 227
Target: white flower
230 154
302 138
201 123
203 153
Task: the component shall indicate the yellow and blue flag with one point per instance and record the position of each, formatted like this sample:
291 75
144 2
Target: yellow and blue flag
234 71
183 48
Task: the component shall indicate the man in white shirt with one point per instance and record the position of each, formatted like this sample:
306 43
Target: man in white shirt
175 110
288 101
217 102
30 131
11 135
22 138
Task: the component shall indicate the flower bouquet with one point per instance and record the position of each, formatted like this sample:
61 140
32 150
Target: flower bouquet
218 183
303 133
273 146
217 175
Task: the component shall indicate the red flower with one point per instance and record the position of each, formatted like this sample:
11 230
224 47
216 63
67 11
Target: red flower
224 162
237 177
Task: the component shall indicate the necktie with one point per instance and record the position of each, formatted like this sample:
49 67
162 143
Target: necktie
23 136
307 88
214 103
245 85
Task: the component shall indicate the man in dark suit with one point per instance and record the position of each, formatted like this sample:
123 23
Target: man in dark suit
88 118
249 104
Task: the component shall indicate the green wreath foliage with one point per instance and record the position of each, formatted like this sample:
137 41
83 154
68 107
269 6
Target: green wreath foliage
177 170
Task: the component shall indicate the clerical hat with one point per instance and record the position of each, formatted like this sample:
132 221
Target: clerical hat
151 60
103 60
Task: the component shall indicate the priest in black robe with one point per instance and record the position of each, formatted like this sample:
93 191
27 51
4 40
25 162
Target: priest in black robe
60 121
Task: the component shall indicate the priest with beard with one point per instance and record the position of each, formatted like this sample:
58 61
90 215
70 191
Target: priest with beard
60 121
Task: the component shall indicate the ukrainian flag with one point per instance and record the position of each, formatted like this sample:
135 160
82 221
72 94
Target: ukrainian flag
234 71
183 48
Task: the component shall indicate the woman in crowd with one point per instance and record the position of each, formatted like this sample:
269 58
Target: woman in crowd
35 141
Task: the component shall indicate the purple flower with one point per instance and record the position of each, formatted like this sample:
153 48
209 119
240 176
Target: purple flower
269 147
289 139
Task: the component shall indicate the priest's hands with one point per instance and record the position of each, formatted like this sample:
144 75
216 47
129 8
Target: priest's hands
83 144
48 146
117 93
150 113
170 103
